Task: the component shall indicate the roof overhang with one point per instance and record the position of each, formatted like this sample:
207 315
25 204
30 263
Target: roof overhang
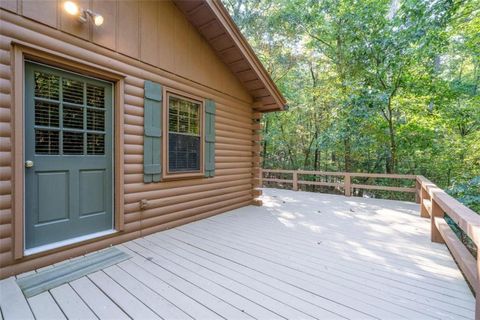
213 22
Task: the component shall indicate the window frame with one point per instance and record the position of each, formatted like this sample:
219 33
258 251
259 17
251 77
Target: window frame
166 173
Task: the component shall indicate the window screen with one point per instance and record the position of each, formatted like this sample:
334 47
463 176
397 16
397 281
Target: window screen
69 116
183 135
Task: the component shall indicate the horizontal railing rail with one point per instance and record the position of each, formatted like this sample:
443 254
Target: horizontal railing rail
347 184
434 202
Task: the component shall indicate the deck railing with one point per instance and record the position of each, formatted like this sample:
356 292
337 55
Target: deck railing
434 205
346 184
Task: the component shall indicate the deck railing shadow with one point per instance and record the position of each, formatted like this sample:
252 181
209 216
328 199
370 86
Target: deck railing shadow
435 204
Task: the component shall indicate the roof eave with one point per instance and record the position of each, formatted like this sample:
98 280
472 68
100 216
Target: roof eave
243 44
214 23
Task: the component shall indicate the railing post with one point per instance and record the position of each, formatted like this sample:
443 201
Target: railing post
295 181
437 212
418 189
260 178
423 209
477 290
347 185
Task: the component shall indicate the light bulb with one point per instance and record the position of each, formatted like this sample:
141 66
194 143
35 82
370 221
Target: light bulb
98 20
71 8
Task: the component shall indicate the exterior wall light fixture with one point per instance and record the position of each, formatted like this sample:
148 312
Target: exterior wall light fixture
83 14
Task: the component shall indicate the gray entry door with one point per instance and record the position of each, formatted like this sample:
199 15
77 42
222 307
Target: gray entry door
68 153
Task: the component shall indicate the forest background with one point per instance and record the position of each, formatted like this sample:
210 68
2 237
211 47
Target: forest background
388 86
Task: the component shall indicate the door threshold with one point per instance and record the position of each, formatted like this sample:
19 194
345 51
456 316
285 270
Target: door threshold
63 243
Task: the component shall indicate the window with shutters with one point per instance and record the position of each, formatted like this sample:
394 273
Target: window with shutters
184 135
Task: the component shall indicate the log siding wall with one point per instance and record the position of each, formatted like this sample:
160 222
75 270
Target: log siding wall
168 203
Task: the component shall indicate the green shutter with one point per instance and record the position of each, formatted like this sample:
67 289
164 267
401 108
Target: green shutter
209 138
152 121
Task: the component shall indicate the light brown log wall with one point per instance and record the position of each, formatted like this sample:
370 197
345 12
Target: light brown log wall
168 203
151 31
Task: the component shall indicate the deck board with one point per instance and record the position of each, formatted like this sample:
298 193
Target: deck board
332 266
199 294
159 305
413 298
101 305
71 304
190 306
288 296
123 298
45 308
12 302
361 268
231 292
326 288
269 308
300 256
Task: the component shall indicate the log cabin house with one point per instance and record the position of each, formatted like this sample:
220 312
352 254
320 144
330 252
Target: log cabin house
119 119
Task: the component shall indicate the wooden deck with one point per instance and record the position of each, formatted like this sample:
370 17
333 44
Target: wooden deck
300 256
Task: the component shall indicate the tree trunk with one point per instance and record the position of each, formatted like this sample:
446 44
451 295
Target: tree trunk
393 146
316 160
348 159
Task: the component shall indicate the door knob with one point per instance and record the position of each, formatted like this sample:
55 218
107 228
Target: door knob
28 164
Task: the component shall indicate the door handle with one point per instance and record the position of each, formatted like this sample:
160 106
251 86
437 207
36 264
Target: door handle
28 164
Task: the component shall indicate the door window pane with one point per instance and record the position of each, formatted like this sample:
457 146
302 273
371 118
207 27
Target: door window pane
46 114
95 143
46 85
72 117
46 142
95 96
72 142
72 91
95 120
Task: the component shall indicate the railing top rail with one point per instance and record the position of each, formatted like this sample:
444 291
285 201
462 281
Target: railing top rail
324 173
467 219
341 174
383 175
277 171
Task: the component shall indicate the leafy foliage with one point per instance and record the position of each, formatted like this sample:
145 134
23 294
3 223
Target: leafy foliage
468 193
373 86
